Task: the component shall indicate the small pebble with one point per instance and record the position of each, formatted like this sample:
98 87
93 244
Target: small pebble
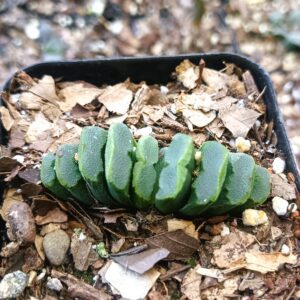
280 206
278 165
242 145
54 284
225 231
285 249
253 217
21 223
41 275
56 245
13 284
292 207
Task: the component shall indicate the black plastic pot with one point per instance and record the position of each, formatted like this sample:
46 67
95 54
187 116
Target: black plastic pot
158 70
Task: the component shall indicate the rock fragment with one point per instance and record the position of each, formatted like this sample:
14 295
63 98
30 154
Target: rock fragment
56 245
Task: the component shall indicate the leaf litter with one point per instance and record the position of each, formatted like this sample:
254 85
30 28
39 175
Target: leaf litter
114 252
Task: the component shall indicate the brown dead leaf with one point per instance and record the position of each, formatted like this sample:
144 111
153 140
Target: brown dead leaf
77 92
267 262
83 253
117 245
80 289
6 118
30 175
197 117
36 130
11 196
180 245
190 286
141 98
116 98
69 133
78 111
238 120
32 260
187 226
38 242
188 74
216 127
233 248
30 101
7 164
215 79
282 188
154 113
143 261
53 216
16 137
10 249
30 189
49 228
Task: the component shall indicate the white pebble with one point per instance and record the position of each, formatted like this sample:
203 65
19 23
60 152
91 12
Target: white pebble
278 165
292 207
225 231
143 131
242 145
285 249
54 284
19 158
253 217
164 89
280 206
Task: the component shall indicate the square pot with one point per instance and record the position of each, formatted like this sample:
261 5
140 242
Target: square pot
158 70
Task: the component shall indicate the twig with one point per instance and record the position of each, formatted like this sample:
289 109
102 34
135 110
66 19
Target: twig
173 272
269 132
120 236
291 293
258 136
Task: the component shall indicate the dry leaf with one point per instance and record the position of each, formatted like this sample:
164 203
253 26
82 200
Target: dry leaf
282 188
216 127
6 119
77 92
230 286
53 216
38 242
196 100
30 175
233 248
154 113
30 101
180 245
83 253
188 74
37 129
239 120
45 88
141 98
267 262
143 261
190 286
129 284
116 98
7 164
187 226
197 117
215 79
213 273
80 289
117 245
116 119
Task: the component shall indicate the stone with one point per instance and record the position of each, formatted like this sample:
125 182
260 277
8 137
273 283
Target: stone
285 249
278 165
54 284
253 217
242 145
21 223
13 285
56 245
280 206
